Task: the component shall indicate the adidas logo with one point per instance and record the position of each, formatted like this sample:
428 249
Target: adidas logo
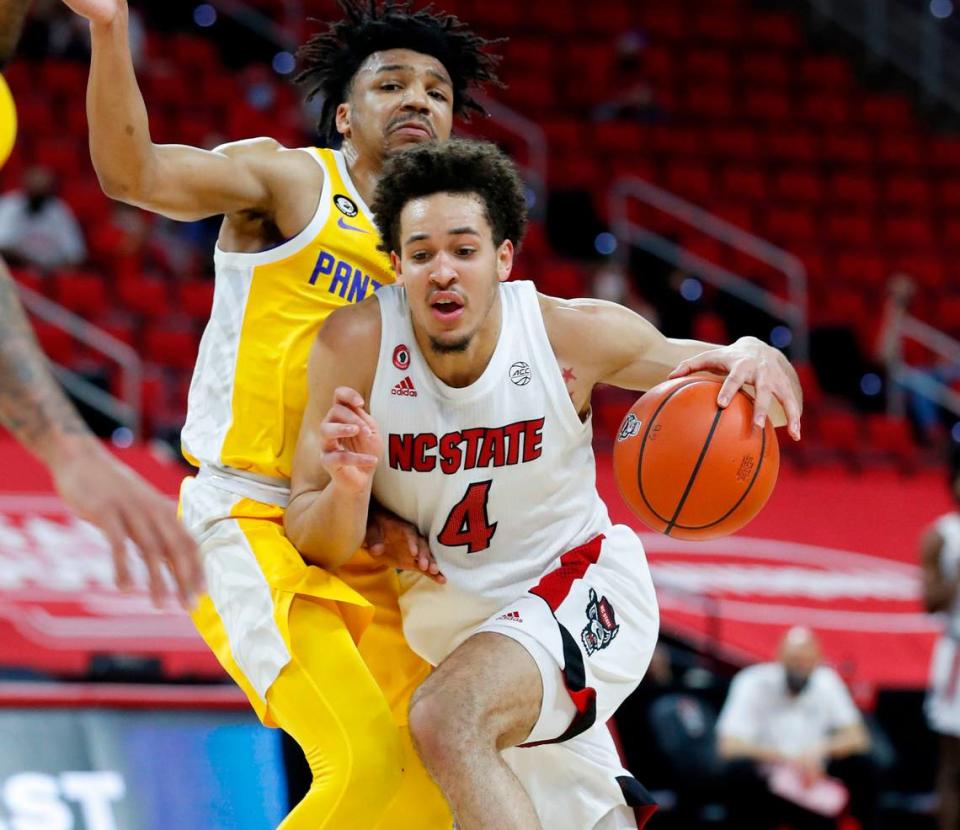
405 388
511 616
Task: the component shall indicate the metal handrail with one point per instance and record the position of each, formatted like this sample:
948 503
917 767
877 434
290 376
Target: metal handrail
793 310
902 376
125 410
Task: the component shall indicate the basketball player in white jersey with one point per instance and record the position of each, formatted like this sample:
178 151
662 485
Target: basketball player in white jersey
476 429
940 561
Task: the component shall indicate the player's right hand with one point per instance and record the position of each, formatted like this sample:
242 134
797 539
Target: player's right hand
96 11
350 441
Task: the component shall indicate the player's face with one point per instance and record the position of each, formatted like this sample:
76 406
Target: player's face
397 98
450 267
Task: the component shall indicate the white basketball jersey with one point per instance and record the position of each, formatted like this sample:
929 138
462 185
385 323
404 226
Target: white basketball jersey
943 701
499 475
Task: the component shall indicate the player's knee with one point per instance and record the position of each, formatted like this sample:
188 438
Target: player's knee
442 724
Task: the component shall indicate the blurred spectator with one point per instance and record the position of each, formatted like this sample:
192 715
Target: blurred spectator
890 349
37 227
632 96
792 727
940 555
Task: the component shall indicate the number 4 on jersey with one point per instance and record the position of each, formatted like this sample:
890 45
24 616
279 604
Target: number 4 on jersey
467 523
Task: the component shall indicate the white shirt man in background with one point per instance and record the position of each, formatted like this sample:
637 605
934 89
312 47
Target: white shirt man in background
794 712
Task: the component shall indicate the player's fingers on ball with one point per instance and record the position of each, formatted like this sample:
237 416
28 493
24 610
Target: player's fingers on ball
729 388
792 407
682 368
761 405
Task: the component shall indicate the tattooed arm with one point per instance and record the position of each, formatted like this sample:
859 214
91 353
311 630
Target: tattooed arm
91 481
12 13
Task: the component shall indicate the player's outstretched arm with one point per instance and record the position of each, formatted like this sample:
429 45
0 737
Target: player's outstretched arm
96 486
611 344
339 443
175 180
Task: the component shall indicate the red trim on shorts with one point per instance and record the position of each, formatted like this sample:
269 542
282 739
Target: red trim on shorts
553 589
555 585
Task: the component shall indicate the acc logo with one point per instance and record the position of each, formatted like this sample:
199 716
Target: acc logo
520 373
602 626
345 205
401 357
630 427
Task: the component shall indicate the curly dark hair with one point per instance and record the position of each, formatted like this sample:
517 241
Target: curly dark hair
329 60
454 166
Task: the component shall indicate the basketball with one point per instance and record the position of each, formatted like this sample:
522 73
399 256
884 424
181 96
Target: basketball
690 469
8 122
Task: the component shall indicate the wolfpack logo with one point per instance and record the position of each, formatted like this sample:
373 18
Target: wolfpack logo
401 357
630 427
345 205
602 626
520 373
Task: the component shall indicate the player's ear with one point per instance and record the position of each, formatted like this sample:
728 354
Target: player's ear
504 260
343 119
395 262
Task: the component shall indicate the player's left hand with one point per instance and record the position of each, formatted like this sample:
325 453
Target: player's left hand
751 361
400 544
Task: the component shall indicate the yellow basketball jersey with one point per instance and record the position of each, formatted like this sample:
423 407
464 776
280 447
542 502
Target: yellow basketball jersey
249 387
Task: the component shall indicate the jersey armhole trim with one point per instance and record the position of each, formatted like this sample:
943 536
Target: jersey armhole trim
296 243
556 389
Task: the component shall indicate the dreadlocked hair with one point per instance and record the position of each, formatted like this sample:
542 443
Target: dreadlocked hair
329 60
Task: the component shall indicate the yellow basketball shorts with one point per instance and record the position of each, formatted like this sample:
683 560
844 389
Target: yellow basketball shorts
320 656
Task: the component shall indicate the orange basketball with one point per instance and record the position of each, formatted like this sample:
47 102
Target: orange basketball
690 469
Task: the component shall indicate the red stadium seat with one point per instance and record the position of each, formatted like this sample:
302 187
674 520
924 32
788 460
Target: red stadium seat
885 110
690 180
903 150
169 346
798 185
768 68
908 231
826 72
891 437
829 109
853 188
195 297
733 142
708 64
850 229
908 189
57 344
145 295
745 182
766 105
793 145
842 432
777 29
790 224
854 147
865 268
83 292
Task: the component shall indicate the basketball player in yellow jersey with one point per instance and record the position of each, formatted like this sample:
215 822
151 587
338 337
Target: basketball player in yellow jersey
319 654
